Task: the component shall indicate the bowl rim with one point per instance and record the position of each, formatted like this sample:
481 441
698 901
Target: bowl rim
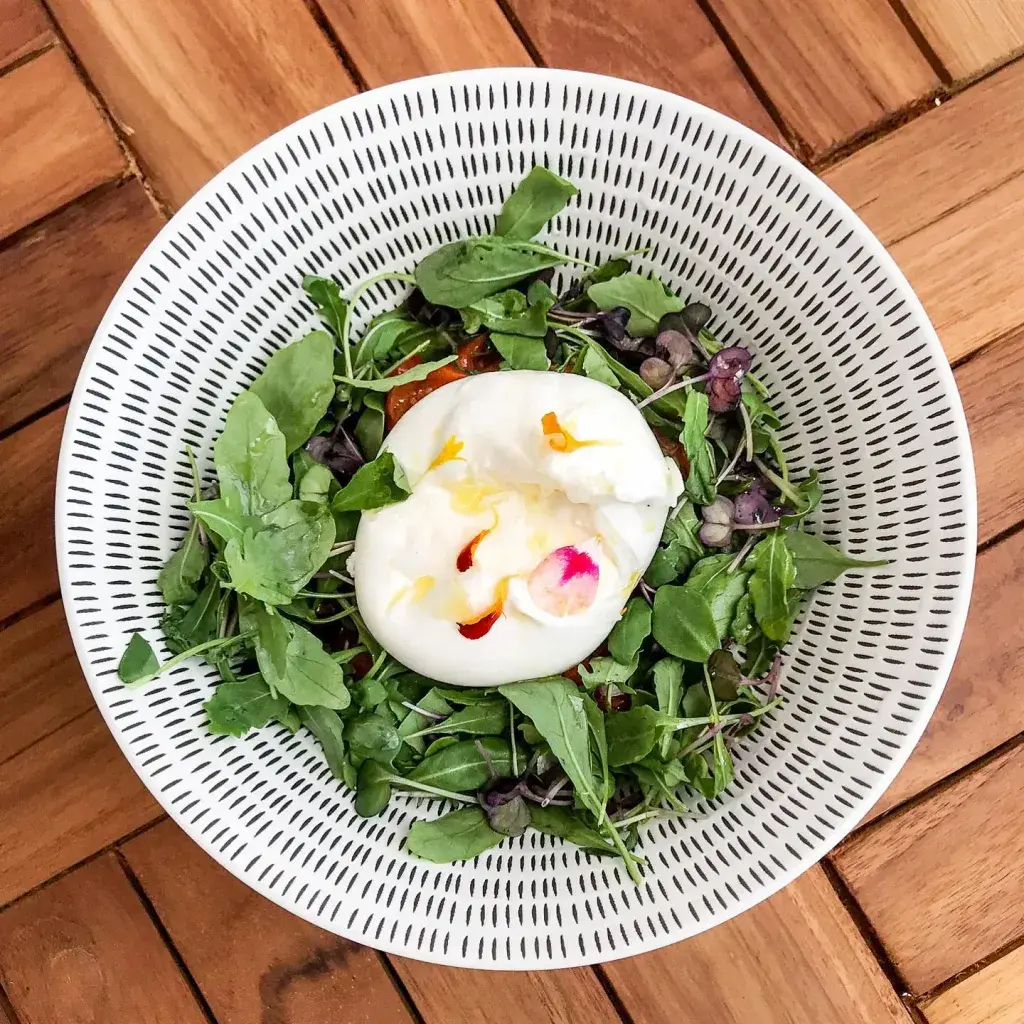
807 178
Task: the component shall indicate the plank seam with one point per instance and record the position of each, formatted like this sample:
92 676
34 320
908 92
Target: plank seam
30 609
916 33
119 131
323 23
26 58
971 969
520 30
36 414
793 139
866 929
95 855
165 936
613 997
400 987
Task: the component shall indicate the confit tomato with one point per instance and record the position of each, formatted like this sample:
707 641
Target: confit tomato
476 356
674 450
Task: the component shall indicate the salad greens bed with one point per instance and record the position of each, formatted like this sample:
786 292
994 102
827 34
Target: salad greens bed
641 730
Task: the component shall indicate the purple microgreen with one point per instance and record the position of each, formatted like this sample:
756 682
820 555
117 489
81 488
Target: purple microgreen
656 373
675 347
338 452
668 389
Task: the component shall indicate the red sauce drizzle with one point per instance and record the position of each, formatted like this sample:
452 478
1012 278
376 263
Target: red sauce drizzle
480 627
464 562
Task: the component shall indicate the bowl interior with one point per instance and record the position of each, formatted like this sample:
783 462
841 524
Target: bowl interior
373 183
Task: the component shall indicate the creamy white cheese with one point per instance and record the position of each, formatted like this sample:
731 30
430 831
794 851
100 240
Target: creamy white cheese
505 469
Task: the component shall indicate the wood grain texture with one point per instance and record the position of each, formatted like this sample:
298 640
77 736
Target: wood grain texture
63 799
982 705
832 69
252 960
671 46
195 83
450 995
41 686
23 29
939 161
56 144
964 269
941 880
391 40
58 282
84 951
795 959
28 477
995 995
970 35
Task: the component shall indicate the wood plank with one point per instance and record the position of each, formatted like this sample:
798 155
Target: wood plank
198 82
63 799
801 939
252 960
28 477
391 40
969 35
939 161
84 950
964 269
450 995
671 46
56 143
24 29
41 685
994 995
940 880
991 387
983 703
832 69
58 281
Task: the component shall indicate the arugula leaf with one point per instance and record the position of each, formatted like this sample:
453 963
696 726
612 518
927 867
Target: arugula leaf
250 459
387 332
684 624
293 661
629 633
606 670
521 353
487 718
631 734
816 562
181 572
535 200
326 294
722 769
463 272
297 385
373 789
139 661
373 738
315 485
681 548
461 768
415 726
369 428
508 313
595 366
562 823
647 300
378 483
196 625
457 835
235 708
668 688
418 372
275 563
222 520
557 710
774 574
723 589
700 483
743 627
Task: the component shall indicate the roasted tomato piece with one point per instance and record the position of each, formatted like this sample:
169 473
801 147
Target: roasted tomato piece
478 355
402 398
674 450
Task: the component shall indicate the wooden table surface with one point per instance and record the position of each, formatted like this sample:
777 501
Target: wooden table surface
113 112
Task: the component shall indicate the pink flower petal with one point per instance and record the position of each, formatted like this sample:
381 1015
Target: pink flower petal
565 582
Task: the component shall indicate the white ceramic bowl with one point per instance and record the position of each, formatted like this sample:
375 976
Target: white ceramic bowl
373 183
